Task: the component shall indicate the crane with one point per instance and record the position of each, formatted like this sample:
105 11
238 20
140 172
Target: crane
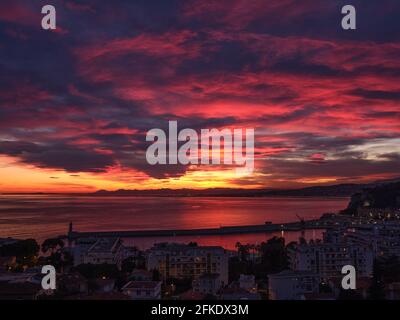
302 225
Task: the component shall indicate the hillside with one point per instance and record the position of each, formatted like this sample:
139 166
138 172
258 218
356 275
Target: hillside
339 190
379 196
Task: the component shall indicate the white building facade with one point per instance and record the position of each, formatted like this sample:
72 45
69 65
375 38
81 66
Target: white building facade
292 285
327 257
186 261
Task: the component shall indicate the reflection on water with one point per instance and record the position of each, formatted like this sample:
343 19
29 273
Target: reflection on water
42 216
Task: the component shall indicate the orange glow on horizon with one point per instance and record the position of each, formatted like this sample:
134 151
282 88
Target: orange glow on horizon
17 177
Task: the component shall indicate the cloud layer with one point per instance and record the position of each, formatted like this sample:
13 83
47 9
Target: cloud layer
324 101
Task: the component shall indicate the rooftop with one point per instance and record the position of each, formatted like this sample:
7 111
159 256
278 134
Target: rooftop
104 245
141 285
291 273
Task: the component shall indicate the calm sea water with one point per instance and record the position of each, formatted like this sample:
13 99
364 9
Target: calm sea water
43 216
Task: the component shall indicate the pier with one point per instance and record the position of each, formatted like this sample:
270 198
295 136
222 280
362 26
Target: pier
224 230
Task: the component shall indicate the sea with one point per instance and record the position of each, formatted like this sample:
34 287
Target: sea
43 216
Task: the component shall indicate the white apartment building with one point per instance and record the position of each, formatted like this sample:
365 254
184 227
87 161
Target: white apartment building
327 257
174 260
292 285
79 249
384 238
143 290
105 250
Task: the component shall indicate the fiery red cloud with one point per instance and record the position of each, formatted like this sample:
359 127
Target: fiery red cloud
324 103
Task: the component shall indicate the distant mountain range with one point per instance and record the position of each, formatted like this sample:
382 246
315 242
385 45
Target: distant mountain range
339 190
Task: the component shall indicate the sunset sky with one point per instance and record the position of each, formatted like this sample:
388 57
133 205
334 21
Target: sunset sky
76 103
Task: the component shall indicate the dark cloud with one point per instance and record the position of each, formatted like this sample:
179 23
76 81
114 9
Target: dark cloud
82 99
345 168
376 94
57 156
393 156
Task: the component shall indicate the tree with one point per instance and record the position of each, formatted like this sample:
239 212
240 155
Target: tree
60 259
58 256
140 261
28 247
273 256
128 265
52 245
243 251
156 276
273 259
25 251
237 267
